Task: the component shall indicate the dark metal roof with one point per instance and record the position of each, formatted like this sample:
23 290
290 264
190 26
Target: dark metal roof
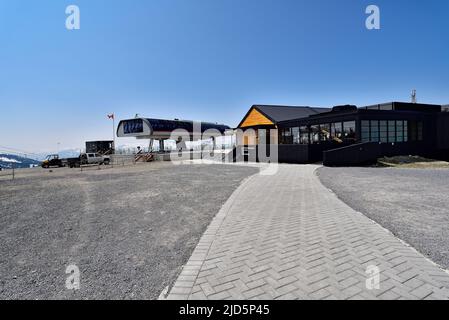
282 113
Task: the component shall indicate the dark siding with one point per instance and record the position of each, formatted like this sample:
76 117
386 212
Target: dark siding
443 131
289 153
356 154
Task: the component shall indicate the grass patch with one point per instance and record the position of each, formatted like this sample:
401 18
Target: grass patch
415 162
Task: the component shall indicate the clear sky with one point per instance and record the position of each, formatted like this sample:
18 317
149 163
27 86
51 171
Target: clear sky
206 60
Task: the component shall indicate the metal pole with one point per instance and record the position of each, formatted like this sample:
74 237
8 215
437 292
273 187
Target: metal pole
13 173
113 129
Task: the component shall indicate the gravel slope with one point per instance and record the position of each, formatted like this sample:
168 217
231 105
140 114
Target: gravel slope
412 203
129 230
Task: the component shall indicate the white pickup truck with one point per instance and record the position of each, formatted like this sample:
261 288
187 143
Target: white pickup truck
88 158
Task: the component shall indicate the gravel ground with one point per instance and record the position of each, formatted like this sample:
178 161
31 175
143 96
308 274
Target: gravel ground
129 230
411 203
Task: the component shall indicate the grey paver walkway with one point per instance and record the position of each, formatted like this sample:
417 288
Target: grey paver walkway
286 236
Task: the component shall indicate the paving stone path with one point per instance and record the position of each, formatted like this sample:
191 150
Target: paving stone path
286 236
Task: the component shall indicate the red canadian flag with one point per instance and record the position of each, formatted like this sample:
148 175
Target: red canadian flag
111 116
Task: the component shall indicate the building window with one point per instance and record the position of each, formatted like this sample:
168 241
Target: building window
295 135
391 131
399 131
337 131
286 136
374 131
386 106
304 135
349 130
383 131
405 131
314 134
325 132
365 129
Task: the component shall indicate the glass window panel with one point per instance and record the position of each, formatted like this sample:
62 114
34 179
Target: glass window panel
286 136
304 137
399 131
315 134
349 132
332 130
387 106
391 131
391 137
295 134
325 132
336 129
365 136
383 131
383 137
336 132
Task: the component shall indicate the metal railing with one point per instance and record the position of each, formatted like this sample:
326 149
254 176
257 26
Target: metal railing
115 161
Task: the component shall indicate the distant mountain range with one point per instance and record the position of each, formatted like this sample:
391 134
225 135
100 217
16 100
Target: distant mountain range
69 153
7 161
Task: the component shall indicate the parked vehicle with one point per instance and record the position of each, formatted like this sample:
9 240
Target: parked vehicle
88 158
52 160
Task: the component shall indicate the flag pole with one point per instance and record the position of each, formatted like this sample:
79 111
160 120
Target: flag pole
113 129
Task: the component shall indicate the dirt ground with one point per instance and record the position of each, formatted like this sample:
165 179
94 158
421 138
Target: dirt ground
128 229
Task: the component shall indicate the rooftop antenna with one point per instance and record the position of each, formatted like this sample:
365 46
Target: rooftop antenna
414 100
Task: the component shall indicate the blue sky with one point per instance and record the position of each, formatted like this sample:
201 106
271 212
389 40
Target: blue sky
206 60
